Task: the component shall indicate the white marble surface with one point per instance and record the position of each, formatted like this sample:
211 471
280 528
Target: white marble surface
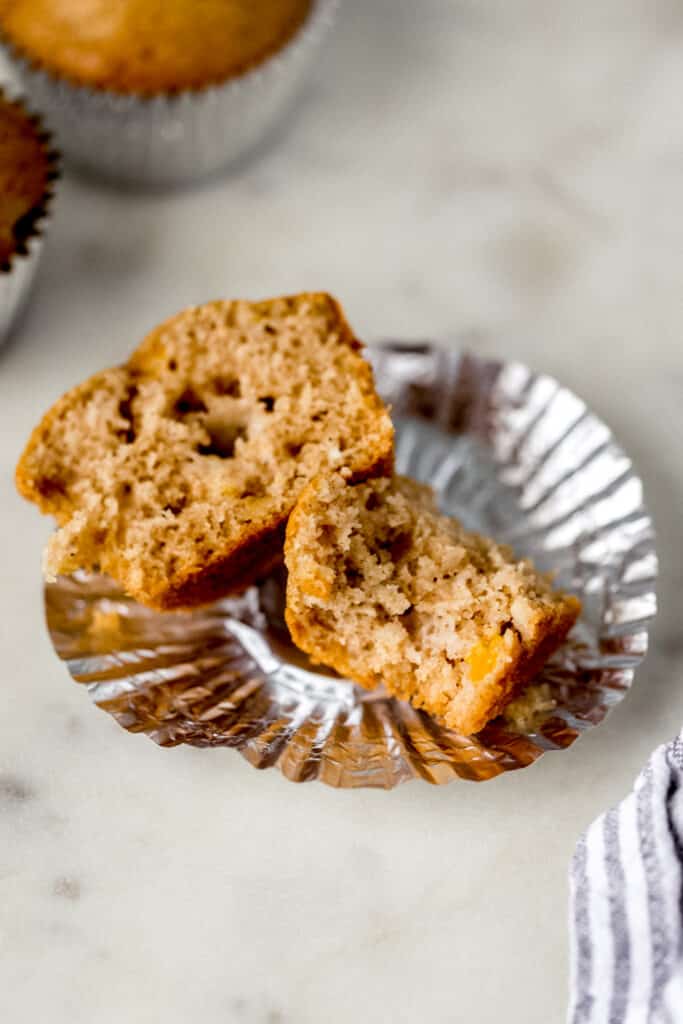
508 172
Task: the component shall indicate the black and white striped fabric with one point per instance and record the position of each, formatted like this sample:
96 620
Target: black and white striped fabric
627 904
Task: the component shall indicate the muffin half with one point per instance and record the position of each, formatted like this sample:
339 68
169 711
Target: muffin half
176 472
384 589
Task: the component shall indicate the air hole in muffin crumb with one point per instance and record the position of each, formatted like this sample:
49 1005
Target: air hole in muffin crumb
229 386
254 487
398 546
50 488
189 402
172 365
353 575
223 438
177 506
268 402
293 448
126 414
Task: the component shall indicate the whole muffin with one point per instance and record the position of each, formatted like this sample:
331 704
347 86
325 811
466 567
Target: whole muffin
150 46
28 168
161 91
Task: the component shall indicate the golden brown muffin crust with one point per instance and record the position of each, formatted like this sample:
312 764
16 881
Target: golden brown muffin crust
150 46
24 177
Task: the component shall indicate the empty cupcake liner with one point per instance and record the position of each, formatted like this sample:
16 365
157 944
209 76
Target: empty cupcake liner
172 139
511 453
17 279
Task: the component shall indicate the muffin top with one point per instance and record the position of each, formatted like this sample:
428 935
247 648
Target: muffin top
149 46
24 177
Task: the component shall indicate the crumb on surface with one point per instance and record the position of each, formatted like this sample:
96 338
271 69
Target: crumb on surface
526 712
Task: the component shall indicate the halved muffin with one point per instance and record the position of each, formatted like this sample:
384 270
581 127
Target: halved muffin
176 472
386 590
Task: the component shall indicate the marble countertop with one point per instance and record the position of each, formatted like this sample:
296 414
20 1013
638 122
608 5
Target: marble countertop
506 174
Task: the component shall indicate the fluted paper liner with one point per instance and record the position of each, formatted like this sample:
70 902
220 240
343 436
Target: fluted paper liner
513 454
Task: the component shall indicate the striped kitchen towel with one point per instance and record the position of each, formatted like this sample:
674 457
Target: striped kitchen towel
627 904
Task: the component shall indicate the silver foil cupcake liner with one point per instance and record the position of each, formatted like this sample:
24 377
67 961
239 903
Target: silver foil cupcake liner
17 279
172 139
511 453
